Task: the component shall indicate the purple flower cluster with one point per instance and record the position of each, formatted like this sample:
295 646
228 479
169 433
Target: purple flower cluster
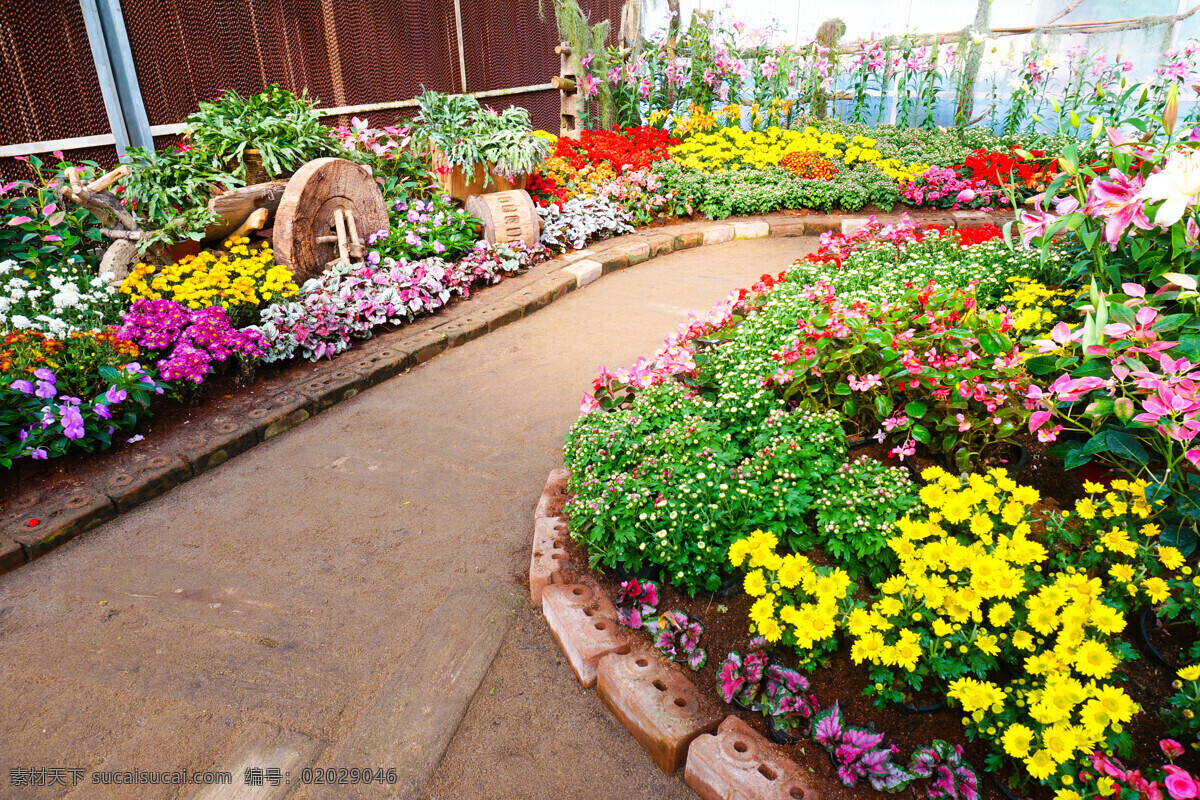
195 339
48 422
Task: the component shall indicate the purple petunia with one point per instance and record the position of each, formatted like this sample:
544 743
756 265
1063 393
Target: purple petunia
22 386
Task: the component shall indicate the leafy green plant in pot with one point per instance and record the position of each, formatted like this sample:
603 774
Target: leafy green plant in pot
275 127
461 133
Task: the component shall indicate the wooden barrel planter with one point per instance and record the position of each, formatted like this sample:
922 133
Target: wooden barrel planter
507 216
453 180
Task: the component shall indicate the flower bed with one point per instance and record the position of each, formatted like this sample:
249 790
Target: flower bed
721 461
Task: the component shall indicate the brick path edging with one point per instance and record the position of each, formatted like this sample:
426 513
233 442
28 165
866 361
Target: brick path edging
723 758
62 518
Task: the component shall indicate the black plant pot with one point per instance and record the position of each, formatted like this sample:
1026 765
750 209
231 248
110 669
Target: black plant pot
730 587
1004 790
909 708
780 736
647 572
1017 465
737 702
1144 631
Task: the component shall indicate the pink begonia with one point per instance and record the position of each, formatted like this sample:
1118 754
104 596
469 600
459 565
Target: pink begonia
1180 783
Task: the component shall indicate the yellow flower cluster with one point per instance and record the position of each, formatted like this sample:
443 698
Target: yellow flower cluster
731 148
1035 307
1061 717
242 276
947 582
1113 525
973 578
548 136
797 600
694 120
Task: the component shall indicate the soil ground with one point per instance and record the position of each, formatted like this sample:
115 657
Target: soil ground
333 597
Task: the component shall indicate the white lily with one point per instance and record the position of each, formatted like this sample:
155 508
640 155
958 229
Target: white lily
1177 185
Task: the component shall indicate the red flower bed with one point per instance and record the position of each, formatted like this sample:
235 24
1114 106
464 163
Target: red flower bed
1008 169
633 148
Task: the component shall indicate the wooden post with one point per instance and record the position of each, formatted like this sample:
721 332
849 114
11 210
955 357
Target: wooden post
570 101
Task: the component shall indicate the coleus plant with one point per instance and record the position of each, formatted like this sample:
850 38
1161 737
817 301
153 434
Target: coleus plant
678 636
859 753
740 678
952 776
786 700
637 602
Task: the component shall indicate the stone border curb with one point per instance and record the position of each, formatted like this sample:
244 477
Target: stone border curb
381 358
652 697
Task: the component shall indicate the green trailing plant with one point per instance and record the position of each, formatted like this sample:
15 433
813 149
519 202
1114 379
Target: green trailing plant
168 192
588 41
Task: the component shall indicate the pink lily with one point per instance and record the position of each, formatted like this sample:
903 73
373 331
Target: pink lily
1117 202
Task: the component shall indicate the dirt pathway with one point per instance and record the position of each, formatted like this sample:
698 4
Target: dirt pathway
334 597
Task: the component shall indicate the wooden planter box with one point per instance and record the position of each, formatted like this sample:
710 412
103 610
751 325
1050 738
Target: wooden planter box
459 185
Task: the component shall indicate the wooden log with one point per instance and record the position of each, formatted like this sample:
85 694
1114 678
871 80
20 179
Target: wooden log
563 84
236 205
108 179
306 214
507 216
339 221
254 222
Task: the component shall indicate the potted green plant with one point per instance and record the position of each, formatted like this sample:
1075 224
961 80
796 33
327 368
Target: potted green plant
261 137
474 149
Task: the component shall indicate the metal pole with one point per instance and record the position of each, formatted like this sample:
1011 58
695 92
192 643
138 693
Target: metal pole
104 73
120 58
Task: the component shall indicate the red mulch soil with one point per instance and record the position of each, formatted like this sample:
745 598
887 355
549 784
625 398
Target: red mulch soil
726 629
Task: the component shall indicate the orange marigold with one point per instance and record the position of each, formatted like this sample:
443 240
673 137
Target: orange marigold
809 165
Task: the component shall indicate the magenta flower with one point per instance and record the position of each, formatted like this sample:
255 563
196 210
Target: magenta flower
591 86
1180 783
23 386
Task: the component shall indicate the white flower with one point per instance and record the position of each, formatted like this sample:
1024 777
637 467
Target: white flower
21 323
67 298
1178 185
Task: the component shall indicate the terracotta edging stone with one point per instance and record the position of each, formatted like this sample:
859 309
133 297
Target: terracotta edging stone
651 696
374 362
656 703
738 762
584 623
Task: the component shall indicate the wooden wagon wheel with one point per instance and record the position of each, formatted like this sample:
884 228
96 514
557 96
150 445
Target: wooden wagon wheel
327 211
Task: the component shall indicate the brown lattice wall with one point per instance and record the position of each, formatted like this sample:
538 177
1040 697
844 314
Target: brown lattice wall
343 52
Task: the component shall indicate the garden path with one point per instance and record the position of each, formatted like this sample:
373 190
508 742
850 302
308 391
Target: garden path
335 596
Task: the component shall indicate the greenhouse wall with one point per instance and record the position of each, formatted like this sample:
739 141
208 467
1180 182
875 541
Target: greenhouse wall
343 53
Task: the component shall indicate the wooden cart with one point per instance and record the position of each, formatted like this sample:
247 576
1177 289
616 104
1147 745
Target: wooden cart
322 214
